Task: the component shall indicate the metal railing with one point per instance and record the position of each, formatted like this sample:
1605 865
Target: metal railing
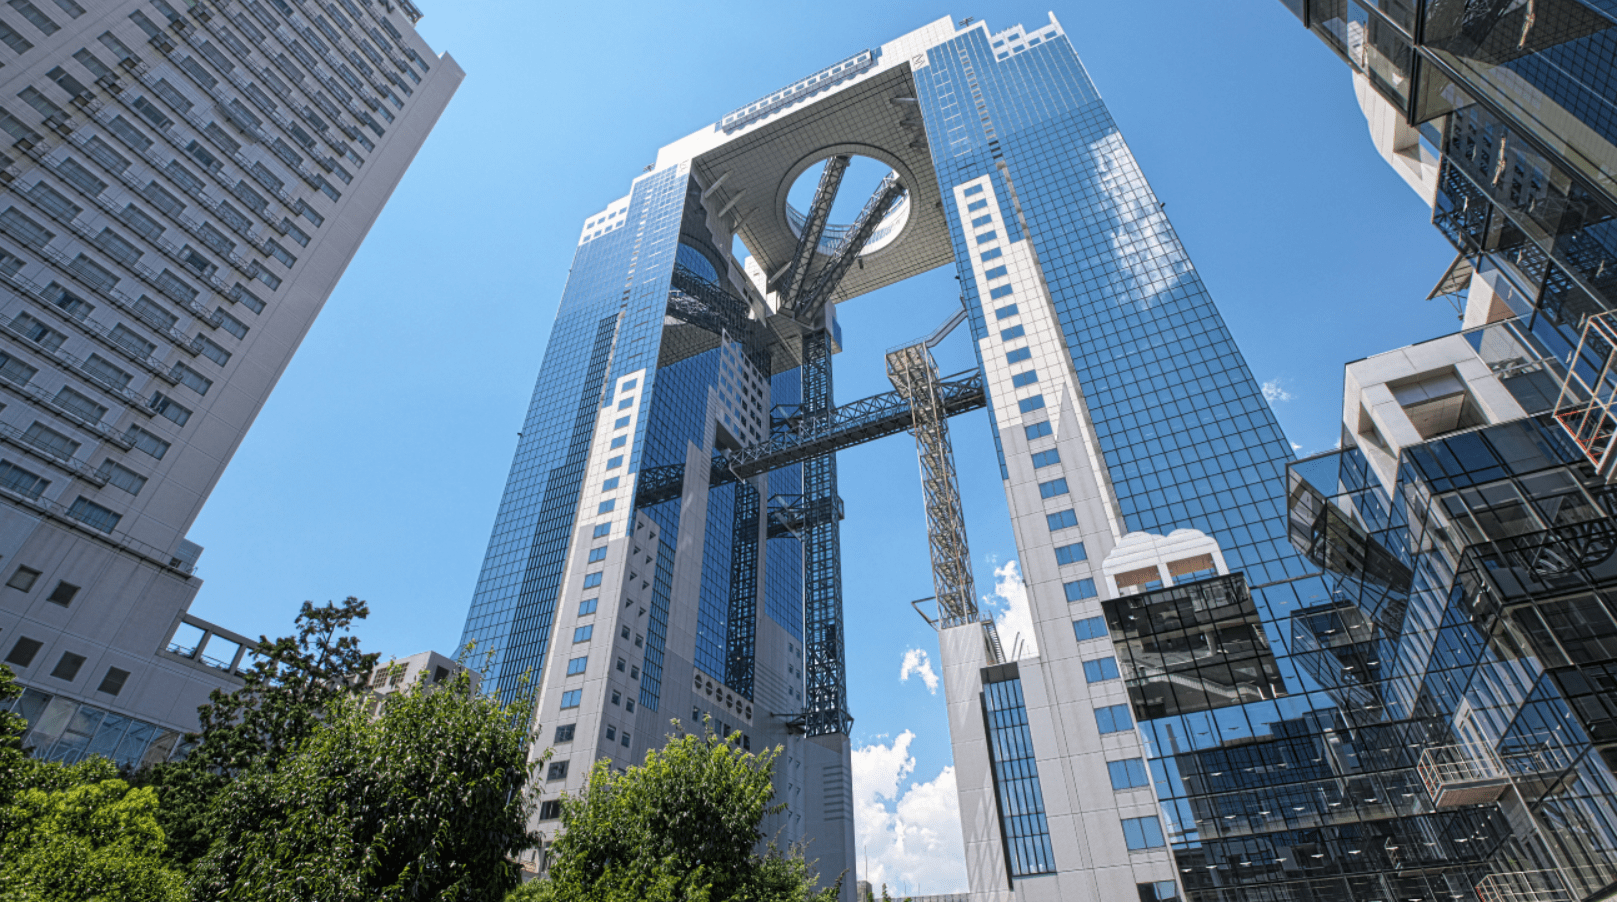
1472 773
1592 424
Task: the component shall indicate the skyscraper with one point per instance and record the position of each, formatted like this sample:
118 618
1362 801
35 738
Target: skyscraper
182 191
667 540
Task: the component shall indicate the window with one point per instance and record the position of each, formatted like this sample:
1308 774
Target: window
1037 430
147 442
1048 458
1003 291
557 771
569 699
576 666
597 554
1100 670
976 205
67 667
591 580
628 705
229 323
550 811
1127 774
1007 310
1061 520
620 441
105 372
974 189
1113 719
992 254
621 422
583 634
981 221
1022 380
163 404
191 379
15 41
564 733
605 507
1018 355
997 272
50 441
616 696
1071 554
23 482
626 403
63 594
122 477
22 654
1160 891
93 515
213 351
1142 833
987 236
587 607
615 462
610 484
623 665
113 682
624 741
23 579
116 46
1053 488
604 529
1090 628
1079 590
1012 333
625 634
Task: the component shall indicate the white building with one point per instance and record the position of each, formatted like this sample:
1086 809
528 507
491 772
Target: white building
184 185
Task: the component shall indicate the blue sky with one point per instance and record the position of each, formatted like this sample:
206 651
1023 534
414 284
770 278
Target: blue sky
376 467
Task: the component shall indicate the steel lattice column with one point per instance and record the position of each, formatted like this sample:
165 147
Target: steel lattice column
826 709
742 638
915 376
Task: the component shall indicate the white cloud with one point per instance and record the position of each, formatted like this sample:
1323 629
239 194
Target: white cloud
1012 616
910 835
1274 392
1296 447
917 661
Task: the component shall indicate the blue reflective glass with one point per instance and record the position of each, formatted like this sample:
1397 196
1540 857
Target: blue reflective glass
983 237
1053 488
1007 310
603 529
1012 333
591 580
1028 405
1024 379
1128 773
597 554
1142 833
1037 430
587 606
1079 590
995 273
570 698
1016 776
981 221
576 666
583 633
1048 458
1018 355
1071 554
1003 291
1100 670
1114 719
610 484
993 253
1091 628
1061 520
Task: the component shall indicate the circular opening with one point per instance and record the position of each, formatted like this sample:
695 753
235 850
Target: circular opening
859 183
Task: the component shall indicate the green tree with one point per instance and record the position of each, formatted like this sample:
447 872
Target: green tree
683 827
12 726
95 840
284 694
425 802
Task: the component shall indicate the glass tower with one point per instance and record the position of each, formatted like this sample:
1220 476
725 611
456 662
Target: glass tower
1177 726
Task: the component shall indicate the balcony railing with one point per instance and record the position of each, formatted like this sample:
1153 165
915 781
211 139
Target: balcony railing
1475 773
1563 885
1592 374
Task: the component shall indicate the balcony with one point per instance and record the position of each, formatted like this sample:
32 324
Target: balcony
1592 375
1563 885
1474 773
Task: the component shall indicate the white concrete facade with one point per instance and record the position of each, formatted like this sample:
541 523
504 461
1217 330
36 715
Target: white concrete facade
183 193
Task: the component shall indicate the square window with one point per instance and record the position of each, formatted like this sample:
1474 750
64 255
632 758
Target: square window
607 506
1100 670
570 698
597 555
1113 719
1071 554
1091 628
986 236
1003 291
1012 333
587 607
67 668
634 673
1127 774
628 705
615 462
1007 310
583 633
626 631
621 422
1053 488
576 666
610 484
1142 833
1079 590
1037 430
557 771
618 442
992 254
998 272
1022 380
981 221
113 682
591 580
626 403
625 740
1061 520
974 189
23 579
550 811
1042 459
976 205
611 732
602 530
1018 355
617 697
564 733
1028 405
22 654
63 594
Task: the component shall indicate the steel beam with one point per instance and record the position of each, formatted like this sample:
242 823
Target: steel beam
807 308
741 636
813 228
915 376
825 708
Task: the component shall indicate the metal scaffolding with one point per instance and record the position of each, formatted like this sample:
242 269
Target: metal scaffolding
792 280
826 697
915 375
741 642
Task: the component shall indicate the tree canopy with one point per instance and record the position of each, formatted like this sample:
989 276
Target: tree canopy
682 827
